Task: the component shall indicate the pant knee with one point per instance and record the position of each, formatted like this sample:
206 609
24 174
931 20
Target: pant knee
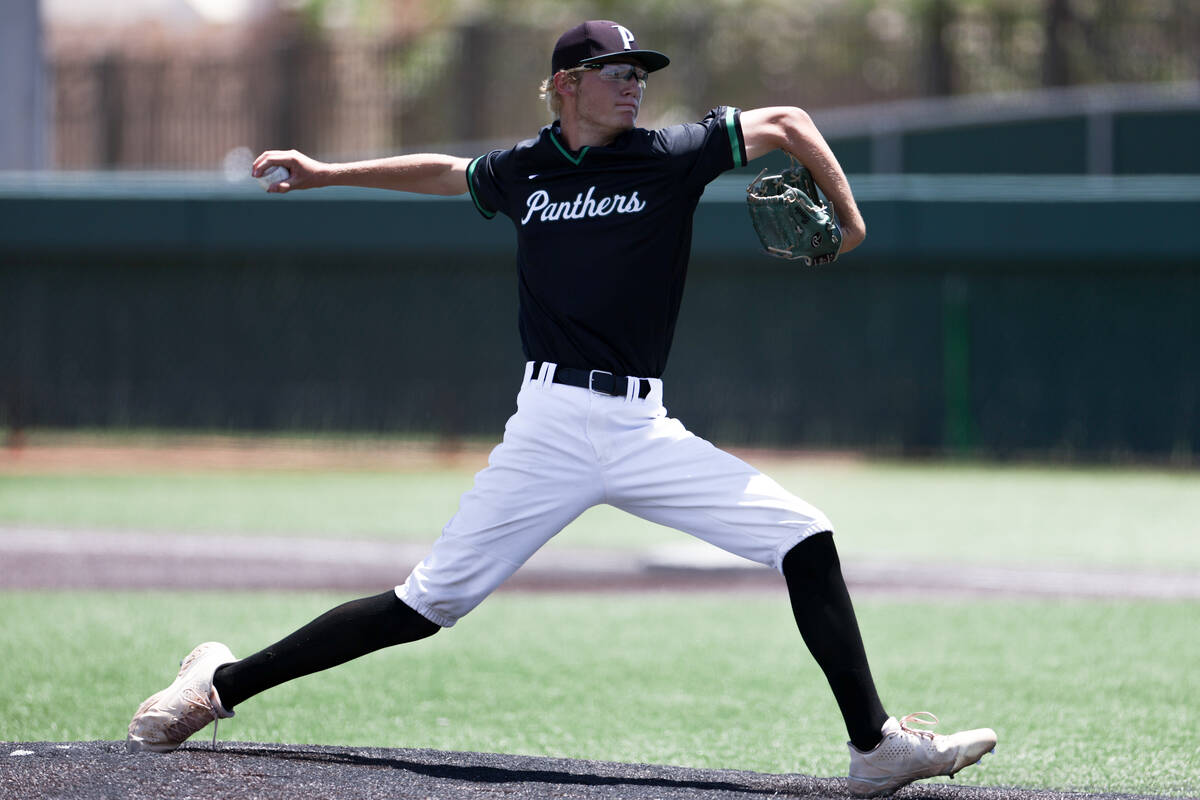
811 558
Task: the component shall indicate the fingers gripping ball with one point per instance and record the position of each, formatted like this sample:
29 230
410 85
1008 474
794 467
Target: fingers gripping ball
273 175
791 219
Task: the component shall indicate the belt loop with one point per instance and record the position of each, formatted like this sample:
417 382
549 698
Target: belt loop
547 376
631 389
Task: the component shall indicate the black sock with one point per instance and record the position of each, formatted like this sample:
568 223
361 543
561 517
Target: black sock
351 630
825 617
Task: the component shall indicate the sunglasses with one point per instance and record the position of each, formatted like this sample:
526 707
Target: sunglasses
618 73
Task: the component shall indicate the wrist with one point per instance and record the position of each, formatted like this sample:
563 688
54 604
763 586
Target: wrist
324 175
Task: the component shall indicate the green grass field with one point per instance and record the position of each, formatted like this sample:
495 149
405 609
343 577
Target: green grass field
975 513
1098 696
1084 695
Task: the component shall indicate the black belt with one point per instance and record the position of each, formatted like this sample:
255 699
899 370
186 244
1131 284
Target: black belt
596 380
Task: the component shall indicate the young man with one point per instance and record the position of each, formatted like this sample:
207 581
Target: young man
603 214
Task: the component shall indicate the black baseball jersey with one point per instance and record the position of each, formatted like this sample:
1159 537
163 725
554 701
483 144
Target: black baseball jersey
604 236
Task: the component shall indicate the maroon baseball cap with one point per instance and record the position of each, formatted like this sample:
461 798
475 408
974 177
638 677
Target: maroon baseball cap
600 41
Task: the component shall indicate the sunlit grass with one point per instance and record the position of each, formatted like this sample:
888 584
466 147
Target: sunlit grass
915 512
1089 696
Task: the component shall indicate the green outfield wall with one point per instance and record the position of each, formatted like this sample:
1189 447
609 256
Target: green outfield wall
1116 129
990 315
1151 142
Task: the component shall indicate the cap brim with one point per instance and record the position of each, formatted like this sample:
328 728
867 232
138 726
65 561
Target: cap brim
649 60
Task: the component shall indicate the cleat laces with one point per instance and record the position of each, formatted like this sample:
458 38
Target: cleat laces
199 713
919 718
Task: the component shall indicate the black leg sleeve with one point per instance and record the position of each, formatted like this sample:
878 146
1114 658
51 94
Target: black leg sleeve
825 617
351 630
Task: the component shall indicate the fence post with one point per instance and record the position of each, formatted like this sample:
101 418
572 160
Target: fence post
958 424
112 110
473 60
24 124
285 108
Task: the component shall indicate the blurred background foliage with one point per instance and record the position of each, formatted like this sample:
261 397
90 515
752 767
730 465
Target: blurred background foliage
355 78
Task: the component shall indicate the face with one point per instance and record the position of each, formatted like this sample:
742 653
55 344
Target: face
609 98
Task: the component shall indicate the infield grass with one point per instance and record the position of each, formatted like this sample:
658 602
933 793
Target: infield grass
915 512
1086 696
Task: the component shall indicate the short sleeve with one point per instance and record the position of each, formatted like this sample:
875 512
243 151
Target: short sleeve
486 184
707 148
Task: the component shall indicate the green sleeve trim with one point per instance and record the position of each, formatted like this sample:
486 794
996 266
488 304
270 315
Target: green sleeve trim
566 153
735 140
471 185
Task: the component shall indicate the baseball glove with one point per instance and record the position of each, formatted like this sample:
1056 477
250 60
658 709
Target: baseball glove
791 219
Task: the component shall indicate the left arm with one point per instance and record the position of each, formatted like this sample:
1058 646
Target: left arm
792 130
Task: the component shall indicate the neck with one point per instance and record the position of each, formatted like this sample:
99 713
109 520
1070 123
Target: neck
579 134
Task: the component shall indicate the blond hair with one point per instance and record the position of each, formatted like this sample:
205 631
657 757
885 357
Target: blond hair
550 94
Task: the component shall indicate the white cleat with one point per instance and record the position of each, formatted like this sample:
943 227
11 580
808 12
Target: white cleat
909 754
169 717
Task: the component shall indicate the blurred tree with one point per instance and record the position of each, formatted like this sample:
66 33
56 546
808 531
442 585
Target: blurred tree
1054 55
937 16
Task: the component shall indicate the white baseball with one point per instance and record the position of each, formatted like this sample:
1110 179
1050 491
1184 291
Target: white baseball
273 174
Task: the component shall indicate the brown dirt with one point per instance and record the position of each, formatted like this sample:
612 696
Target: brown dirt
57 454
51 453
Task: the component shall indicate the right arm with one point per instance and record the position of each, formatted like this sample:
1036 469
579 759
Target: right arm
424 173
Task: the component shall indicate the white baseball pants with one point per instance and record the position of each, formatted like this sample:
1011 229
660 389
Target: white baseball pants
568 449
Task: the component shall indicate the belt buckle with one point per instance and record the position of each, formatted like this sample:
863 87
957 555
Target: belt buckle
592 383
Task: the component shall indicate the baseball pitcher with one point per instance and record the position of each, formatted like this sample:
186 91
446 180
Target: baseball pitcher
602 211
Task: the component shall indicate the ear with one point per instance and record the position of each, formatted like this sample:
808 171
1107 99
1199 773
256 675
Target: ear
564 83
